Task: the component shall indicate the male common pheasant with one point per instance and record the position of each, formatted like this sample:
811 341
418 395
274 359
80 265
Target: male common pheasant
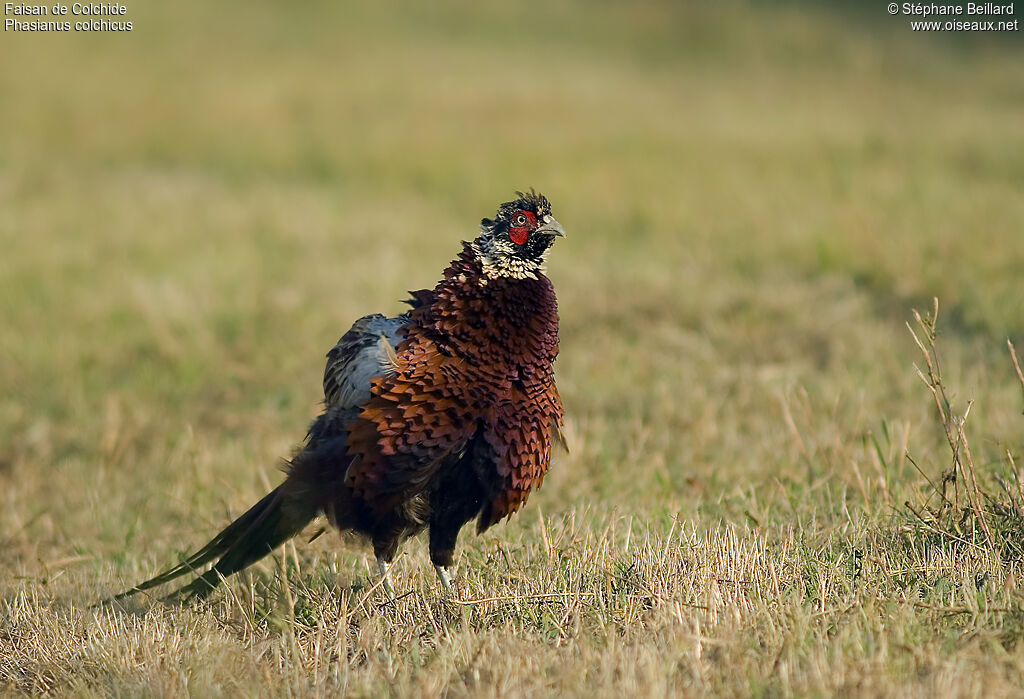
435 417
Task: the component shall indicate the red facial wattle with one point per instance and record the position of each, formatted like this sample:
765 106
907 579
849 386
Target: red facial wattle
520 234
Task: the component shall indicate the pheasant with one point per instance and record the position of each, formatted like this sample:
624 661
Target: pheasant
433 418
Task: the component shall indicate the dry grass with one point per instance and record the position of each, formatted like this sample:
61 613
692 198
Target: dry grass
760 497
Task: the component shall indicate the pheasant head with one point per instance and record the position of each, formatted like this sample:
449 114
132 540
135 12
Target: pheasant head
515 243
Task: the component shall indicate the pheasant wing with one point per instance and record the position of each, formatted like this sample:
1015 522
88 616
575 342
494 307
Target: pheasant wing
416 419
366 351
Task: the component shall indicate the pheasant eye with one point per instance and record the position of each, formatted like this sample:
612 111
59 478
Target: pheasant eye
519 220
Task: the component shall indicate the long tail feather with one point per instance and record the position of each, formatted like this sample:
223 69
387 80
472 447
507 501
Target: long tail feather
264 527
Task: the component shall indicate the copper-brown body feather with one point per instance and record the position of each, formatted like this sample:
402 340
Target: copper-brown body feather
475 364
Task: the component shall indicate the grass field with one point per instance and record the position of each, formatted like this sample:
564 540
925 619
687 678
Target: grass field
756 196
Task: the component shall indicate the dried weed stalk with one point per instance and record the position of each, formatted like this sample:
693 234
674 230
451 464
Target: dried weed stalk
959 517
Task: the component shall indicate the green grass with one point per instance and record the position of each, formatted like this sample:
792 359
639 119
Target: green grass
756 197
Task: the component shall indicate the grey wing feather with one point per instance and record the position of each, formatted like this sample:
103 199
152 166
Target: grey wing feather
366 351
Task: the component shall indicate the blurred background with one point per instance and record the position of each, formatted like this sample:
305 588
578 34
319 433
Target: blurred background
756 195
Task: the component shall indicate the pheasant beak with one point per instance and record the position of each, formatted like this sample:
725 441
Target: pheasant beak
549 226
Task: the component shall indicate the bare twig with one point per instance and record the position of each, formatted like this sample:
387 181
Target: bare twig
1016 364
959 610
941 494
524 598
551 595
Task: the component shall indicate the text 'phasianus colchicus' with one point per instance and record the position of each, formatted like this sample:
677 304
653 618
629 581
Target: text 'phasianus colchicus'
433 418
